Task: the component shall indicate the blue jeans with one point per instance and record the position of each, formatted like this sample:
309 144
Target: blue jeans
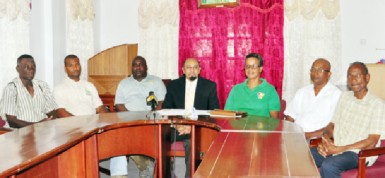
333 166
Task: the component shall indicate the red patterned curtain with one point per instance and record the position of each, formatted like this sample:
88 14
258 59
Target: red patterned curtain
220 38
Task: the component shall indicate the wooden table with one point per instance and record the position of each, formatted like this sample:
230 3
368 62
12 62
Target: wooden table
258 147
73 147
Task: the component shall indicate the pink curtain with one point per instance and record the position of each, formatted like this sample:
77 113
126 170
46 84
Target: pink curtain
220 38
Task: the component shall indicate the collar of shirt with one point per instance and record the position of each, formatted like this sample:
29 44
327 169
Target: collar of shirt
132 78
191 84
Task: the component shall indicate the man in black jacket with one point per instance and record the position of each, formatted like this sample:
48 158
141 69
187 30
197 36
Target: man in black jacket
188 92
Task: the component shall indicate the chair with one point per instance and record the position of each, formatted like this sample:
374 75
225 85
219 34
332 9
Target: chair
4 130
376 170
283 107
2 122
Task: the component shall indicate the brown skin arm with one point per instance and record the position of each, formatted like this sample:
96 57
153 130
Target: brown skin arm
314 134
17 123
289 118
274 114
120 107
61 112
101 109
328 131
327 147
51 115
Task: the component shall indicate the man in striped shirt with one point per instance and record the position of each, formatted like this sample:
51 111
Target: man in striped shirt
27 100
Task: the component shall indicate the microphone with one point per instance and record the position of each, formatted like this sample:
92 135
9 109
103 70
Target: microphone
152 101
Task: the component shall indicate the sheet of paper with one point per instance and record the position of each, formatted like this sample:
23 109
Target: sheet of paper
180 112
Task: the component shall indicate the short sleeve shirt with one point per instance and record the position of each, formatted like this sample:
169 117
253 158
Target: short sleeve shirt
78 98
133 93
257 101
17 101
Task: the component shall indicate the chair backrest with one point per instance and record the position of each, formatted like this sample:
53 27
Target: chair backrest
283 107
166 81
2 122
381 158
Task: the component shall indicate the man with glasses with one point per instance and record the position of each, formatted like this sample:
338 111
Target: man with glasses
313 105
188 92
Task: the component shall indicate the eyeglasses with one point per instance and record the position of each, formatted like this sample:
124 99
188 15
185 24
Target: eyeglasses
253 66
191 67
312 70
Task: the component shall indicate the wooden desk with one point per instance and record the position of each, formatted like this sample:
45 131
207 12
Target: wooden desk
258 154
258 147
72 147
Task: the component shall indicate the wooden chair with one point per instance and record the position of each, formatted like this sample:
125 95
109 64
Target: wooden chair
283 107
376 170
4 130
2 122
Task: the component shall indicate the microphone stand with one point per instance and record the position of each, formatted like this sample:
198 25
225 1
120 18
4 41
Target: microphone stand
153 106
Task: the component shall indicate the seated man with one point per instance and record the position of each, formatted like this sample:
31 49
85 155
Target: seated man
188 92
357 124
84 98
27 100
131 96
313 106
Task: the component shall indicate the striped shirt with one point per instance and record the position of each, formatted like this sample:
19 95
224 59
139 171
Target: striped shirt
17 101
355 119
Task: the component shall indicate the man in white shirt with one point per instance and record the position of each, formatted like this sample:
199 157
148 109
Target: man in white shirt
313 106
75 96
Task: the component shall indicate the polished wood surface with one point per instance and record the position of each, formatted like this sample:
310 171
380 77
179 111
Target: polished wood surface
72 147
258 147
253 124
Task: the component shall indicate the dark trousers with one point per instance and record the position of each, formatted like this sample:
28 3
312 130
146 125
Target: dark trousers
187 148
333 166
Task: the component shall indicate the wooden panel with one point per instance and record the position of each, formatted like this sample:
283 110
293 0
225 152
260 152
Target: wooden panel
46 169
92 159
107 68
72 163
132 140
108 100
205 136
113 61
